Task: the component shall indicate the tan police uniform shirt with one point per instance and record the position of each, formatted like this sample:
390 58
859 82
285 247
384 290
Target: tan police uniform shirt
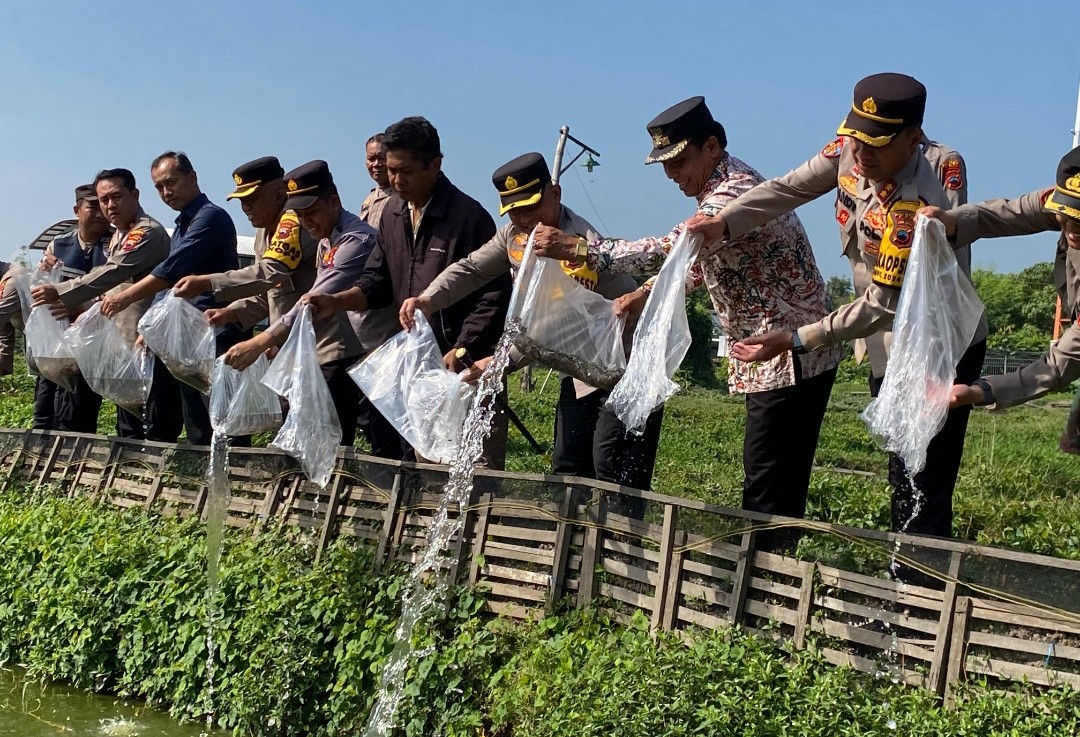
285 268
11 318
1024 216
132 254
877 226
372 207
503 253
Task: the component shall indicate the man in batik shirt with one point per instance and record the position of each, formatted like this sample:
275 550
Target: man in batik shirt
766 280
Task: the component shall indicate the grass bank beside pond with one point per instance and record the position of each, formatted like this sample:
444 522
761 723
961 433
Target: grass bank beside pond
114 601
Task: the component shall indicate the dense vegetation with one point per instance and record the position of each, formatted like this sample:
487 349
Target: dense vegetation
114 600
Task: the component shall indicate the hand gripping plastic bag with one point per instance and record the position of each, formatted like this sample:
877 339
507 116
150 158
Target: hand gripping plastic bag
47 343
178 333
407 382
240 404
661 340
311 432
567 327
112 367
936 318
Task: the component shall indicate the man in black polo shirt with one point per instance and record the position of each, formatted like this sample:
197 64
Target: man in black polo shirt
204 242
78 252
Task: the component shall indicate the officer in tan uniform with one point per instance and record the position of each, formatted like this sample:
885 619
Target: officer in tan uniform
11 319
881 179
139 244
1056 209
590 441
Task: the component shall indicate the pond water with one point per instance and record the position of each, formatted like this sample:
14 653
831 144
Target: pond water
29 709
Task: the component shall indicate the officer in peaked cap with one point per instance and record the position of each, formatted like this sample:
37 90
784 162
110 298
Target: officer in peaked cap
343 245
251 176
672 129
880 179
521 182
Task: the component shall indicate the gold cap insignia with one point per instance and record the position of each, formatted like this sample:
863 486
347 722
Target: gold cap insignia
1073 183
659 138
510 183
869 106
238 179
292 185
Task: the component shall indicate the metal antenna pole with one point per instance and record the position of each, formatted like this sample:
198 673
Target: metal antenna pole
564 133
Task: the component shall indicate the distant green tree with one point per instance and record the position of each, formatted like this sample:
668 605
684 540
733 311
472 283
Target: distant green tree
839 290
699 361
1019 307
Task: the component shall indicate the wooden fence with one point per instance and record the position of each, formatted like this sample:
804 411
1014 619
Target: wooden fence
534 542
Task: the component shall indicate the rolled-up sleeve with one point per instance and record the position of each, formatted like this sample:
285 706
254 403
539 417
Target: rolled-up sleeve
1059 367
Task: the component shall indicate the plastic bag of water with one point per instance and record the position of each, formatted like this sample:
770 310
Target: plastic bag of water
311 432
178 333
936 318
661 340
114 368
566 326
407 382
240 404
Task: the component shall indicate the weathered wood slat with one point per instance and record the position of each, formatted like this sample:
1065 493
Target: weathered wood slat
1019 672
519 593
494 549
619 568
1030 647
873 639
626 596
769 611
701 619
858 610
515 574
850 660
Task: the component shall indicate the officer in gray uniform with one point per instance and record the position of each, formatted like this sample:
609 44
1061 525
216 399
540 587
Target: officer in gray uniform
344 244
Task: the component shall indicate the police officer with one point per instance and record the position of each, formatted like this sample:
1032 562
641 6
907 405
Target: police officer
344 244
590 441
77 253
11 315
137 246
881 179
375 162
1057 210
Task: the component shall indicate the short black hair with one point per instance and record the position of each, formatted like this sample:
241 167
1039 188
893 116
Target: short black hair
713 129
124 175
183 163
377 138
415 135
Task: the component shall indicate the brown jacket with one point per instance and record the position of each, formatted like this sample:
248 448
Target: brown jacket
1024 216
402 266
132 255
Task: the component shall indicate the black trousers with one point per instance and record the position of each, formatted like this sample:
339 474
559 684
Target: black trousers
592 442
45 393
782 429
384 439
163 416
933 515
346 396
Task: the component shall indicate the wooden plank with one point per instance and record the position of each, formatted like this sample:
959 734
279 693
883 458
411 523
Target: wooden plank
806 598
393 506
774 563
865 612
707 594
511 610
331 515
479 542
878 588
108 471
521 593
958 649
50 461
595 517
704 569
632 572
155 486
626 596
522 533
1019 672
1029 647
772 612
850 660
701 619
561 556
1021 616
669 529
78 457
625 548
775 588
525 555
742 577
539 578
869 638
938 666
674 575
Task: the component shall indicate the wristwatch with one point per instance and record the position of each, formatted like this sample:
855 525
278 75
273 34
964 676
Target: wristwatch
988 392
796 344
582 249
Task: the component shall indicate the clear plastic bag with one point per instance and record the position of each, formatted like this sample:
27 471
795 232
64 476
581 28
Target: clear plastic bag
178 333
936 318
240 404
661 340
407 382
46 341
567 327
311 432
113 368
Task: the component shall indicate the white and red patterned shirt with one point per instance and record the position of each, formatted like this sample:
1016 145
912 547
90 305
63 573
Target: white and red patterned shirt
765 280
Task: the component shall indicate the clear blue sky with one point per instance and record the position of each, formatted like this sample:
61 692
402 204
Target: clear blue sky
89 85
